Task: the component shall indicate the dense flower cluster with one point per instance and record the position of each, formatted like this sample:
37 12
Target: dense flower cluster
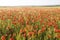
30 24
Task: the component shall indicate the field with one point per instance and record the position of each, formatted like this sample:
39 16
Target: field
29 23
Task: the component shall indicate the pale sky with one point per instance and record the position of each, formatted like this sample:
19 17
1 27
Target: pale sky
28 2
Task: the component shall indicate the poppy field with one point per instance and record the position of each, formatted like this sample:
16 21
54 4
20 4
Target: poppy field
30 23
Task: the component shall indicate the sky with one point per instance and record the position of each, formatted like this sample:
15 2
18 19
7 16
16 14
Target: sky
28 2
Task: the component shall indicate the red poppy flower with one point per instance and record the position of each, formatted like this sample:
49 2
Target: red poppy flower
36 26
3 37
57 30
24 34
58 36
43 29
11 38
50 24
30 34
